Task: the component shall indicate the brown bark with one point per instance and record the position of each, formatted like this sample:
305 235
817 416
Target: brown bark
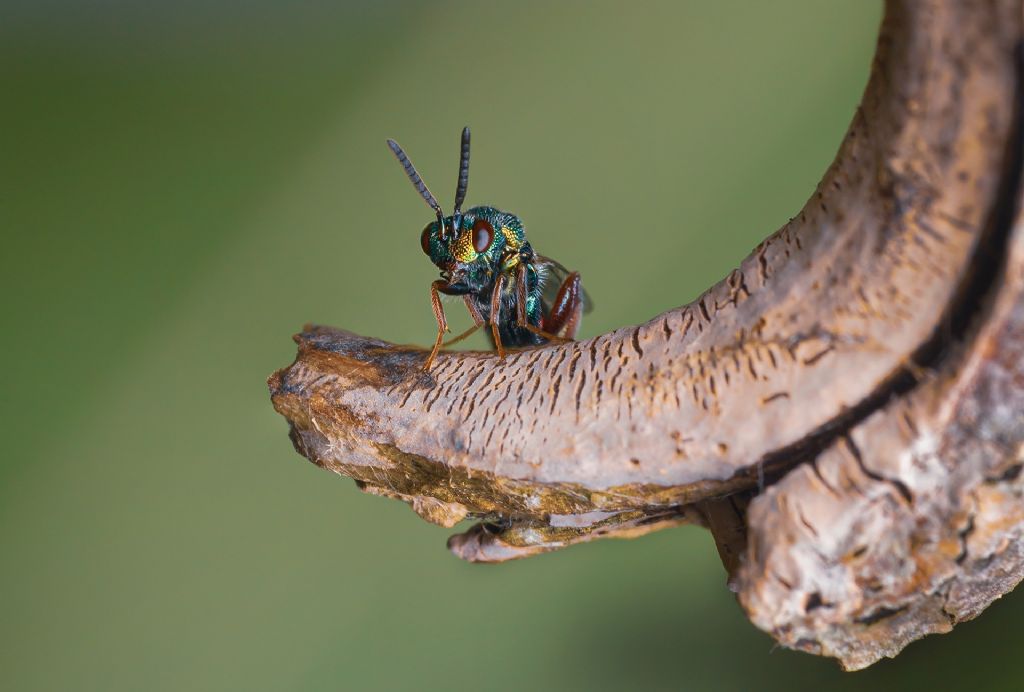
864 360
913 520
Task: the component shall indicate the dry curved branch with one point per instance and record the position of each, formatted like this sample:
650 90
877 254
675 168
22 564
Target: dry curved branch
810 359
913 520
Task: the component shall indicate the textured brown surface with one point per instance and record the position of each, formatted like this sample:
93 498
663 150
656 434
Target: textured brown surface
912 521
811 351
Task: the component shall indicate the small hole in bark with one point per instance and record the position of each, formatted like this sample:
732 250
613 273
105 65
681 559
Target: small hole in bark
1011 474
499 525
880 614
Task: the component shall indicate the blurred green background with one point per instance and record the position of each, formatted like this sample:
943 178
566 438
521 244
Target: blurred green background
183 185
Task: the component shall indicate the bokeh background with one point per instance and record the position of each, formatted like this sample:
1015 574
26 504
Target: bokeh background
183 185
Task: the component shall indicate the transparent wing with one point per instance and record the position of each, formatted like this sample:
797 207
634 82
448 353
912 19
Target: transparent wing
554 273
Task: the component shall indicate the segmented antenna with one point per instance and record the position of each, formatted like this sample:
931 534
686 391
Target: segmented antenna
417 181
463 184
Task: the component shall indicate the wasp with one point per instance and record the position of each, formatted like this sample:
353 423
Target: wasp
527 299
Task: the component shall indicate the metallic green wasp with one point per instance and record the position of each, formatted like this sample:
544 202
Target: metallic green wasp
526 299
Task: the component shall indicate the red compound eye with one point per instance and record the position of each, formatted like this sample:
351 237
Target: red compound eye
425 240
483 234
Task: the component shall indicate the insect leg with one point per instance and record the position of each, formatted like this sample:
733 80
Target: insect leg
478 321
567 309
442 323
499 285
521 294
521 320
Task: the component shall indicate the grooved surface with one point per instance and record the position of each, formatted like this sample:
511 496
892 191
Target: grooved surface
819 317
914 521
905 516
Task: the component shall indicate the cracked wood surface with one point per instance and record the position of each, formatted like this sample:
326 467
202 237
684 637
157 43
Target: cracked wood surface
912 521
819 317
793 357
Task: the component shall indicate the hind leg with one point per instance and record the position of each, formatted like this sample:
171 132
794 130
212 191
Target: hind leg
567 309
564 319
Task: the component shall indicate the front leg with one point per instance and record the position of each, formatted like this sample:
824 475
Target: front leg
442 322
